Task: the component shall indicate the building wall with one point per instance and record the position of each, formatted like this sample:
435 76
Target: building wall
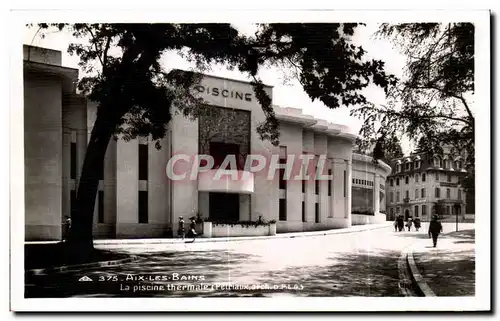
43 140
369 180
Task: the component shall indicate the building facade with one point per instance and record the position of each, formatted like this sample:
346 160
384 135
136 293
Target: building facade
422 184
143 190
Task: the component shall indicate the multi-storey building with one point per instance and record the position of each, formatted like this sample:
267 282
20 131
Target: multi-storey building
137 195
419 182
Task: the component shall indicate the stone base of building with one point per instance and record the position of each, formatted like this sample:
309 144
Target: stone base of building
361 219
299 226
43 232
136 230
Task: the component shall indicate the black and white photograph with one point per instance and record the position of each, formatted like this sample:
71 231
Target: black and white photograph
319 160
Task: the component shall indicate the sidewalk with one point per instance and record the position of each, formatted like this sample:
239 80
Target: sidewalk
448 269
125 242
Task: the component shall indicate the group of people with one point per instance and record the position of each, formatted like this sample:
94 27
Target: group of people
399 223
435 226
181 232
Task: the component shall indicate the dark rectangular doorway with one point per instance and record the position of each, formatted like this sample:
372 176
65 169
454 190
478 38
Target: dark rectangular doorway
224 206
219 151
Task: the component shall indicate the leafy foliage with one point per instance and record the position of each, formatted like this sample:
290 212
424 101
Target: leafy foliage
430 105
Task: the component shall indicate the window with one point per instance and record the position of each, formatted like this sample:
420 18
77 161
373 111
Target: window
303 211
397 181
143 207
282 180
398 168
392 211
282 209
460 164
143 162
438 192
316 186
417 164
416 210
101 172
449 178
304 170
407 194
407 180
424 210
100 212
73 160
416 177
407 166
423 177
72 200
329 183
345 182
392 197
397 196
447 210
459 194
436 162
416 193
316 212
423 193
448 193
391 182
437 176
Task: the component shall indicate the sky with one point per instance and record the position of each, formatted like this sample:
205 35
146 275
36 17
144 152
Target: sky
289 94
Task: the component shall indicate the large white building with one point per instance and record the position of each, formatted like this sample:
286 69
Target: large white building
136 198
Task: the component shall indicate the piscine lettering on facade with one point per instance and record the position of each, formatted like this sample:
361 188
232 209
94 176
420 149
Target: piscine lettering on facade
226 93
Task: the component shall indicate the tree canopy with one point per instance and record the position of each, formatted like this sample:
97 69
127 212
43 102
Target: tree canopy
432 100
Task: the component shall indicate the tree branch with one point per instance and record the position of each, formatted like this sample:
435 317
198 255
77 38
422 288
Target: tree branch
95 44
105 53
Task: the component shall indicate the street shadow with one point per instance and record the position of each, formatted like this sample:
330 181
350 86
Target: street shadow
416 235
181 268
366 274
465 242
465 234
447 272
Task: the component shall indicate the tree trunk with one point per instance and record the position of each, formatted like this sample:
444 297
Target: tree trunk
80 236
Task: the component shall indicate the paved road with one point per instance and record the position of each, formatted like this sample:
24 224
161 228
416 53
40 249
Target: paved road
356 264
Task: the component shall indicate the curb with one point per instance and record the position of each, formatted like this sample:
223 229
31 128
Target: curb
415 273
235 239
65 268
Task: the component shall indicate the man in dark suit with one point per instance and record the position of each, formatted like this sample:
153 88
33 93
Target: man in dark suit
435 227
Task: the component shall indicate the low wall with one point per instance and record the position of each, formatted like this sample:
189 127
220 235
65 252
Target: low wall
227 230
361 219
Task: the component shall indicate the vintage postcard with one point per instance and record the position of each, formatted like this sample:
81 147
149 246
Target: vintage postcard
251 161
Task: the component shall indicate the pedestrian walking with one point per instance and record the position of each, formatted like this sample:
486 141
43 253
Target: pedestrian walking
66 228
435 227
192 228
417 223
181 232
396 224
401 223
409 223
